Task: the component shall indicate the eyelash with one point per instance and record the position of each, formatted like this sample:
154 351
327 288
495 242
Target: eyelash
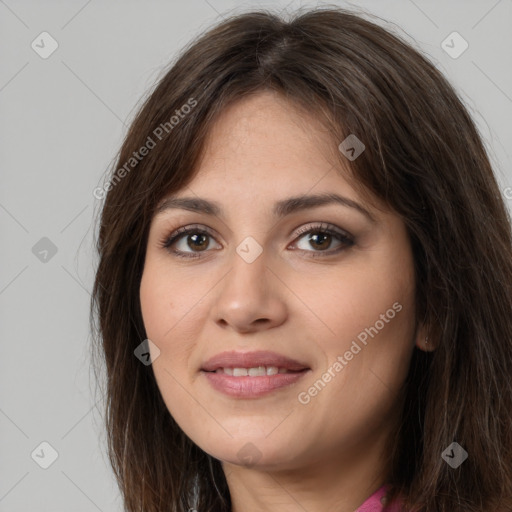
322 228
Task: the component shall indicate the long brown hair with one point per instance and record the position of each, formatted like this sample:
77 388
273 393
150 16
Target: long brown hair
423 158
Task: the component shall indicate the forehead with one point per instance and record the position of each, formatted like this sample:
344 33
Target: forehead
264 152
266 141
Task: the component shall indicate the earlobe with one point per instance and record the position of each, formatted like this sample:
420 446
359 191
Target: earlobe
423 343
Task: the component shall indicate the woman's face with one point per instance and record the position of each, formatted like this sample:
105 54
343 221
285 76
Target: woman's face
327 284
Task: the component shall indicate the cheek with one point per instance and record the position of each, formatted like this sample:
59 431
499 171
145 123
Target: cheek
355 396
162 308
164 313
172 313
344 304
166 297
154 304
367 313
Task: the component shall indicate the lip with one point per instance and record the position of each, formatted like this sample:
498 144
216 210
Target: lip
234 359
251 387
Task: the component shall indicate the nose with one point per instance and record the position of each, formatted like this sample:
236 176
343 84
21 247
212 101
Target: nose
250 297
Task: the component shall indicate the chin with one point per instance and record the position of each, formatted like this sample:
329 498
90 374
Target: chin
252 453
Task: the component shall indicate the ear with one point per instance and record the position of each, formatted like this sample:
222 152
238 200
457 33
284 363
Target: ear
423 341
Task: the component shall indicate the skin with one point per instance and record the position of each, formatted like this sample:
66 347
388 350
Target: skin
330 453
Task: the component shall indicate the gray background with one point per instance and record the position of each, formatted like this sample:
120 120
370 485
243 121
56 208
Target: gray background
62 120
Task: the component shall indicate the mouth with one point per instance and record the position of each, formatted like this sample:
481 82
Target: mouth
256 363
256 371
245 385
245 375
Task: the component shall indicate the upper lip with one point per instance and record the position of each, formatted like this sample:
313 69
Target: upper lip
234 359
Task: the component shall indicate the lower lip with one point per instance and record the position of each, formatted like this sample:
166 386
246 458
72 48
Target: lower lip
251 387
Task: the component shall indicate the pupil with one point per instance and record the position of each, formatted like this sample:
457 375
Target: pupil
313 238
201 238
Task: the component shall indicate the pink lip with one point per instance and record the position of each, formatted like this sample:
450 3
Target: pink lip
251 387
234 359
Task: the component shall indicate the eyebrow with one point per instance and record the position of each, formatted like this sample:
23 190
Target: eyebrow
281 208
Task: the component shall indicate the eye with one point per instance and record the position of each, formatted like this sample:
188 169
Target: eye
191 241
192 237
320 238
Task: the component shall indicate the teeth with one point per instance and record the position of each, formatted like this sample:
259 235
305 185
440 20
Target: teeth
258 371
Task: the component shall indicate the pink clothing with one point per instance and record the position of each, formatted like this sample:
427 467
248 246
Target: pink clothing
376 501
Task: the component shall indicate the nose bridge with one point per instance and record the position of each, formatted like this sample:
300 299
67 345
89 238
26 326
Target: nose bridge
249 271
247 293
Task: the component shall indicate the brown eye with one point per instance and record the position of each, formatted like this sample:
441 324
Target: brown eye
188 242
318 240
197 241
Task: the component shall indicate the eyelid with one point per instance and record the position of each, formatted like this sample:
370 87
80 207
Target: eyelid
346 239
172 237
321 226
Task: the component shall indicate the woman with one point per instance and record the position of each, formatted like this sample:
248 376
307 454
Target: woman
304 292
